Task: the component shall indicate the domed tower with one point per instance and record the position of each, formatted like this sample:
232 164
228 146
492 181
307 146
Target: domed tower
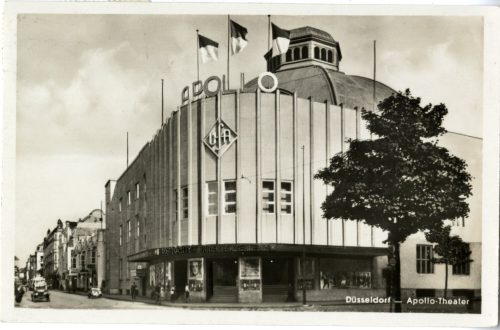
308 46
311 69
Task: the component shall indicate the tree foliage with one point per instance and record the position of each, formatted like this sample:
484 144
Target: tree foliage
450 249
401 181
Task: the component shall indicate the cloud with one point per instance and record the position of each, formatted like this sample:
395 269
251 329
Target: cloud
90 114
443 77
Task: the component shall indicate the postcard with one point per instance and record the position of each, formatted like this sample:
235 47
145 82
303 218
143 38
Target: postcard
277 164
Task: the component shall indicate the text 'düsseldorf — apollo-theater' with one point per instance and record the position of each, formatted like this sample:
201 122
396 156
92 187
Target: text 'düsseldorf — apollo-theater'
223 197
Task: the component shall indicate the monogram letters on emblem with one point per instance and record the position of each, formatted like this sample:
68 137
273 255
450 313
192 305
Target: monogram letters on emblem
220 138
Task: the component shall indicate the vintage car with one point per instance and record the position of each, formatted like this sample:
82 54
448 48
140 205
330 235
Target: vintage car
40 291
94 293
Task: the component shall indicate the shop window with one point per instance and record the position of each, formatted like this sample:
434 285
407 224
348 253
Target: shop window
268 196
316 53
330 56
345 273
463 268
305 52
424 259
305 274
185 202
212 198
121 235
289 55
323 54
229 197
296 54
286 198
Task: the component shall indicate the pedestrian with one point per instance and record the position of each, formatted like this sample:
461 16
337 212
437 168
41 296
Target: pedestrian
133 291
172 293
157 294
186 292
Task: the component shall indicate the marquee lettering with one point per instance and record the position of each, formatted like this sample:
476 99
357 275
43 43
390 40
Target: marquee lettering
199 87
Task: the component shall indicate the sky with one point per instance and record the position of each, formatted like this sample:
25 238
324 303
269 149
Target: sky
83 81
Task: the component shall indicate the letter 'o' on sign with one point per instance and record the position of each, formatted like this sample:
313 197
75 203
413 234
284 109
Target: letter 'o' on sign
267 89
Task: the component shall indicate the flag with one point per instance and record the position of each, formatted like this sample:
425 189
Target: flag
238 37
209 49
281 40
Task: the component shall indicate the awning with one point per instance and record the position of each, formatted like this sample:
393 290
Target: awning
234 250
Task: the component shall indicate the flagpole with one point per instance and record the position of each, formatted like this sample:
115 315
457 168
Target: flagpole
268 32
228 47
197 55
374 72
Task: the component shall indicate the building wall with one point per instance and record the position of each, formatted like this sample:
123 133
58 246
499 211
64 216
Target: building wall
271 128
469 229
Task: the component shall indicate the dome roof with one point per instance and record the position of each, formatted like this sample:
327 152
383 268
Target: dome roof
308 31
329 85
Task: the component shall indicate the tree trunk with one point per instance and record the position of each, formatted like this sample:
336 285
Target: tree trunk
397 279
446 280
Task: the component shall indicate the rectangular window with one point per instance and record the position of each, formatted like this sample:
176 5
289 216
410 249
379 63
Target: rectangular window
424 259
129 198
145 185
92 258
268 196
137 191
120 205
176 205
185 202
462 268
137 228
121 234
230 197
120 269
82 260
212 198
73 262
286 198
129 231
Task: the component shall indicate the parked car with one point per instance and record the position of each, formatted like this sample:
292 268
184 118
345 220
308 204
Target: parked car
94 293
40 291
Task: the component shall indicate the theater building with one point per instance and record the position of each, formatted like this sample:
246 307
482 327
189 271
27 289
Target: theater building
223 198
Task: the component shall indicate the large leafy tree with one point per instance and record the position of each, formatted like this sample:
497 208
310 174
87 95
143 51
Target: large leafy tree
450 250
401 181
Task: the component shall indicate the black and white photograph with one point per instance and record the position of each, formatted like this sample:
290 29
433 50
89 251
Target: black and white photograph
330 162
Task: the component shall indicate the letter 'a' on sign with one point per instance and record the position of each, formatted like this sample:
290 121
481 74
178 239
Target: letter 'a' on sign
261 84
220 138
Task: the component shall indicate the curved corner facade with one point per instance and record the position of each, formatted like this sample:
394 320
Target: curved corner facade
223 200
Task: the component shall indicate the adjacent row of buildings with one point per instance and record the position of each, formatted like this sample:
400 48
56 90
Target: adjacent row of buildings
71 256
223 199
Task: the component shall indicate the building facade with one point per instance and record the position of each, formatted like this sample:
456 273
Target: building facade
223 200
51 255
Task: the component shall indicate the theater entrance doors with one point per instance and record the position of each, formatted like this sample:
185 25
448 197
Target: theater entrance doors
277 279
222 277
